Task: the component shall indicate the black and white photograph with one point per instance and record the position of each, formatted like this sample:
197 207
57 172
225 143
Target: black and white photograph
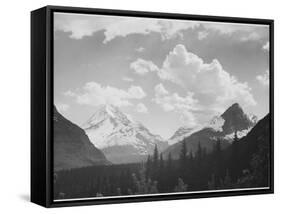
148 106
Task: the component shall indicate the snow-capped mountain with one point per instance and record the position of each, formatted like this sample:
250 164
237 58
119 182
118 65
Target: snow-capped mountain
236 120
181 133
120 138
223 126
216 123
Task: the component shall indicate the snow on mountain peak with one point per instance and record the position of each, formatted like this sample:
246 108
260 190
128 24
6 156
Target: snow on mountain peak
239 134
182 133
253 118
216 124
110 127
103 113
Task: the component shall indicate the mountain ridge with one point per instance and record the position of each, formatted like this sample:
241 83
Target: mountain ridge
223 126
111 130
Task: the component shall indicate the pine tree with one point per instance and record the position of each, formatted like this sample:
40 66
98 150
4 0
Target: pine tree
161 176
218 163
169 164
155 157
183 161
218 146
148 167
183 154
155 164
143 186
227 181
169 173
234 161
161 165
181 186
190 156
199 152
118 191
212 183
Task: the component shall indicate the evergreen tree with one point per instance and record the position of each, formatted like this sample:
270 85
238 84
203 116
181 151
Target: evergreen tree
155 164
148 167
169 164
161 173
183 162
212 183
155 157
143 186
181 186
169 173
227 181
190 156
234 160
161 164
183 154
199 153
218 163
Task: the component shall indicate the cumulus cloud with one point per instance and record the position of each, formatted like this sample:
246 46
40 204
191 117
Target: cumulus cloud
62 107
172 102
208 81
94 94
253 36
69 93
243 32
140 49
142 67
202 35
136 92
264 78
173 28
79 25
160 90
127 79
265 47
226 28
141 108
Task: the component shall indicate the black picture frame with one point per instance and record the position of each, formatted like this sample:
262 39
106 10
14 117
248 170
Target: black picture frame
42 105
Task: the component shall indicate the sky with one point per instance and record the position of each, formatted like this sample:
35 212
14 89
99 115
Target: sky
163 73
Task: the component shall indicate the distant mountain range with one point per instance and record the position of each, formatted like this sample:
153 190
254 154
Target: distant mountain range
233 119
110 136
121 139
224 127
72 147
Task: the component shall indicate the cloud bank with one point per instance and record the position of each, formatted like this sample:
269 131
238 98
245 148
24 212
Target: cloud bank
264 78
81 25
94 94
141 108
142 67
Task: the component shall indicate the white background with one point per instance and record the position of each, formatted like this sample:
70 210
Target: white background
15 106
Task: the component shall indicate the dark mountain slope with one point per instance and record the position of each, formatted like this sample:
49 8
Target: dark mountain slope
253 153
72 147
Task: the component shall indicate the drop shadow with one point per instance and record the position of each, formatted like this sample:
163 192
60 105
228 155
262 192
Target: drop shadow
24 197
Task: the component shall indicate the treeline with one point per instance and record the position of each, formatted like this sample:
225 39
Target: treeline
242 164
